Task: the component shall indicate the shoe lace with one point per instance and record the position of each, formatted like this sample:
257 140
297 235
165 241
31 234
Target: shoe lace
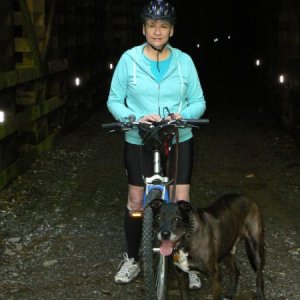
126 264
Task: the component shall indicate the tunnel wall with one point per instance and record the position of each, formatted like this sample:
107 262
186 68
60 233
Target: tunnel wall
44 46
280 72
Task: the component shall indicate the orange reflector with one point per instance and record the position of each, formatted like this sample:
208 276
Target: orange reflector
136 214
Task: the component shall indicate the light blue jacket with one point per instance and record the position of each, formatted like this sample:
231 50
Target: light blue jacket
134 90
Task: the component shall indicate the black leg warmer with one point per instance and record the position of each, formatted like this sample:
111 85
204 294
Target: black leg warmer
133 234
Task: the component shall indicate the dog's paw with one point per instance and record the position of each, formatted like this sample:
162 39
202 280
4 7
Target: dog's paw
181 267
180 259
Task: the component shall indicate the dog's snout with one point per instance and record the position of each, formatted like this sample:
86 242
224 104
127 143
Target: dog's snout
165 234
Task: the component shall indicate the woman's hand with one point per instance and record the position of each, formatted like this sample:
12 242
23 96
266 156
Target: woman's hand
174 116
148 119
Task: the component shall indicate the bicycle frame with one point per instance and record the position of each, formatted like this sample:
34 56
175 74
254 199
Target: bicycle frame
156 182
155 265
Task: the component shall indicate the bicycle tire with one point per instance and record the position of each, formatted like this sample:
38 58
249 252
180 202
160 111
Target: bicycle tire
155 264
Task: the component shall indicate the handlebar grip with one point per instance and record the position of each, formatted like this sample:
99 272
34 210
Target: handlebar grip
197 121
114 125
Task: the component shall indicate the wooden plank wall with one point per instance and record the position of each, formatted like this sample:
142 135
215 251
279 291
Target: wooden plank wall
44 46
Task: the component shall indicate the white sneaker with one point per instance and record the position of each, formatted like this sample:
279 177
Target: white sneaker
194 281
128 269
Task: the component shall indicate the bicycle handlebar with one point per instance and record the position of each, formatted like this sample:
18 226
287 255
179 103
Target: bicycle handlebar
111 125
180 123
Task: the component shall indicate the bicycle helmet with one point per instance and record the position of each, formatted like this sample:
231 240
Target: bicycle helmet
159 10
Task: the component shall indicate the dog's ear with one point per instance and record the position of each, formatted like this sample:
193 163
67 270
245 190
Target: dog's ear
184 206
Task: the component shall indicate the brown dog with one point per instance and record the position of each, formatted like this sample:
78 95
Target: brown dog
201 238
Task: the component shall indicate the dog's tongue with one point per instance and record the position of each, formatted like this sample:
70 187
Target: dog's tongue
166 248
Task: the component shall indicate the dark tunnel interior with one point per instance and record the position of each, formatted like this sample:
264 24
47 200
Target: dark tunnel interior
66 174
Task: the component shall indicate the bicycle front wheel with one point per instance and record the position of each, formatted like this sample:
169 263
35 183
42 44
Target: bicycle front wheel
155 264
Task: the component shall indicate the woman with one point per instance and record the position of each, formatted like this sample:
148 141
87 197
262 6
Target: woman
151 80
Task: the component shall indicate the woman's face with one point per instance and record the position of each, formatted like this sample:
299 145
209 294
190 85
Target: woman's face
157 32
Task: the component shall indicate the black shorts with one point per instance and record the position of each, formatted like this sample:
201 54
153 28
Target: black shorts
138 162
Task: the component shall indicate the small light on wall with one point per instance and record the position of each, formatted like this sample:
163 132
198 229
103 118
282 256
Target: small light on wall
257 62
2 116
111 66
281 78
198 45
216 40
77 81
229 37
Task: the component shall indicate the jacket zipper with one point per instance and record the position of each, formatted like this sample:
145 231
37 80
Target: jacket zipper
158 99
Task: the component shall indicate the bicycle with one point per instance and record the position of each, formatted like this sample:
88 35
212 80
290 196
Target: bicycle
156 187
